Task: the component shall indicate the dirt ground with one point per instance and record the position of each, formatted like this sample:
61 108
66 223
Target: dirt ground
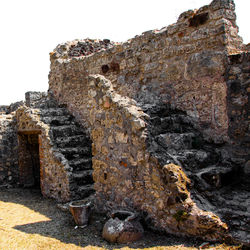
29 221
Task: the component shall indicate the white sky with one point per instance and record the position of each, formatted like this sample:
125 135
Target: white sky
31 29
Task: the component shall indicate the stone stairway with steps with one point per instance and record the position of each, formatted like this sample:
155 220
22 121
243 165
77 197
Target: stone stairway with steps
174 137
73 142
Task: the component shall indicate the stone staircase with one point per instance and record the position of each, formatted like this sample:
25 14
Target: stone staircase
216 185
73 142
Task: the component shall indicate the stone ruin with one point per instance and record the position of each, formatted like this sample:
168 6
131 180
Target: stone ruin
158 124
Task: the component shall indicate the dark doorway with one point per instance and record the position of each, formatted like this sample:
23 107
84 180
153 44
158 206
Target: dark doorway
29 160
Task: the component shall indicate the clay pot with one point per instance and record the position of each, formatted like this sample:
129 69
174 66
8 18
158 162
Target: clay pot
123 227
81 211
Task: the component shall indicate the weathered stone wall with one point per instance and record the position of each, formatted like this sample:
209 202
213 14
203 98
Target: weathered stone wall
182 64
33 99
9 172
8 149
53 175
238 84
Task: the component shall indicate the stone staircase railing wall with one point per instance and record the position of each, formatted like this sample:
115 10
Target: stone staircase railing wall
127 175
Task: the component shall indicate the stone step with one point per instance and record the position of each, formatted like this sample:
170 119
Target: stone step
177 123
57 120
176 141
81 164
71 141
66 130
214 177
89 187
82 177
76 152
174 123
194 159
83 191
236 219
53 112
47 103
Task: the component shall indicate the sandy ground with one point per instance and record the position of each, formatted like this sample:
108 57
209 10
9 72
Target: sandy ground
29 221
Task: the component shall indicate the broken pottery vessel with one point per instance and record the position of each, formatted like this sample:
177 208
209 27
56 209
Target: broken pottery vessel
81 211
122 227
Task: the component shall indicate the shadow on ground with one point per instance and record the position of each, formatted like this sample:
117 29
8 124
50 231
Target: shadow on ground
61 225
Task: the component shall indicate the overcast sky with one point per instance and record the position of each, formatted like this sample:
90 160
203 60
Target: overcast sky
31 29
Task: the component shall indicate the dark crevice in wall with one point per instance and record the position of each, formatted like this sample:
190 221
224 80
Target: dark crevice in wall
105 69
198 20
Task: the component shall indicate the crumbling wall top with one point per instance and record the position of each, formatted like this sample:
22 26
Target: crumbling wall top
217 18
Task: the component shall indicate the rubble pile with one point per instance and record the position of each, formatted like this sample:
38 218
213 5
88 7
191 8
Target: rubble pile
83 47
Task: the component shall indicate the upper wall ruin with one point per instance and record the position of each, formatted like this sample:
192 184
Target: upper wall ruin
183 64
